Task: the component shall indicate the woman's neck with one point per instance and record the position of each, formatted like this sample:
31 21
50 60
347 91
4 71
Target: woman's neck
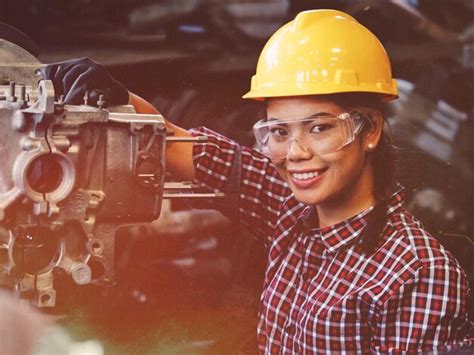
349 202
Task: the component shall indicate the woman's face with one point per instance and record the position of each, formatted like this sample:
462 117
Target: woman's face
322 179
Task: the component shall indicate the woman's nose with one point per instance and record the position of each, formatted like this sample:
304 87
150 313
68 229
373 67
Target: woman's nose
297 151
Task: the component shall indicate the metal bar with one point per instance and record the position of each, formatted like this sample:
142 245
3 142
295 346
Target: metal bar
135 118
180 185
193 195
187 139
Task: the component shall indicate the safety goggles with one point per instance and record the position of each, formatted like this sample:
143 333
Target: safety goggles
320 133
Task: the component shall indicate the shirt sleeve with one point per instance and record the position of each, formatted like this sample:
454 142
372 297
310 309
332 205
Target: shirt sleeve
261 191
427 315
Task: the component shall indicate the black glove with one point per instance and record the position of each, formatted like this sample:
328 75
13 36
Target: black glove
72 78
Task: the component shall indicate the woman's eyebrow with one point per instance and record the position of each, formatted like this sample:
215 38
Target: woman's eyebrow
320 114
275 120
314 115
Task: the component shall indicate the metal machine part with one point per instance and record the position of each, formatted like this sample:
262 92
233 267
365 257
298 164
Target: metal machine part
70 176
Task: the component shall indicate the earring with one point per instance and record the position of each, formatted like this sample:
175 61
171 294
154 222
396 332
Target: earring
370 146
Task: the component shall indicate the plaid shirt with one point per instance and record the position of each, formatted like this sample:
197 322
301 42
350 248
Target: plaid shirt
321 293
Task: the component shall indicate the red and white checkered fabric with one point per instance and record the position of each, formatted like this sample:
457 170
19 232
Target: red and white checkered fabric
321 293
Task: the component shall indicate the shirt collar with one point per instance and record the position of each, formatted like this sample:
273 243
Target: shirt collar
343 233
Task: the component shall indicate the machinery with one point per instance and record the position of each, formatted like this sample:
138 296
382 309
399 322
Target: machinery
70 176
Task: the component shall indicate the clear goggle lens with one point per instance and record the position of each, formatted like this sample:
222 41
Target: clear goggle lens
322 134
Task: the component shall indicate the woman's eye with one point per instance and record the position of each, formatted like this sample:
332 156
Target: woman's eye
278 132
320 128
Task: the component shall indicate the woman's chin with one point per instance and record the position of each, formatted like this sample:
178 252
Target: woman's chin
307 199
312 196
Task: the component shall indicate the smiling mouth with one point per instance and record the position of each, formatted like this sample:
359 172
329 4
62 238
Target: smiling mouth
307 175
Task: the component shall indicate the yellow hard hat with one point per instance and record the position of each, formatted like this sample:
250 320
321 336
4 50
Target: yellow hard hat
322 52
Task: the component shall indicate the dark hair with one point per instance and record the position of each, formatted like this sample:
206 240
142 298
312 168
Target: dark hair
383 163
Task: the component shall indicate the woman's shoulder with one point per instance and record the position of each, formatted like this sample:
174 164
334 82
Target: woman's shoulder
424 248
410 254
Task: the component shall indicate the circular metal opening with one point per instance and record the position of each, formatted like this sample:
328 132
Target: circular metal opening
45 173
44 176
45 298
35 249
96 247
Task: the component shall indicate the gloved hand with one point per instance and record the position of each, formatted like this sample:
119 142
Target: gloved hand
72 78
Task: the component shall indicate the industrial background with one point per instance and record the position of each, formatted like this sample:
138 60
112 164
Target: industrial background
186 285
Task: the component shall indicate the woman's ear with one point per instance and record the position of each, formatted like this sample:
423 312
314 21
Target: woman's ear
373 131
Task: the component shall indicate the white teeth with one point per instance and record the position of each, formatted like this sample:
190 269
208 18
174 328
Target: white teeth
305 176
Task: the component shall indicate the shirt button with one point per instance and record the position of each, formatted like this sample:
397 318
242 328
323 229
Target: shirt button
290 329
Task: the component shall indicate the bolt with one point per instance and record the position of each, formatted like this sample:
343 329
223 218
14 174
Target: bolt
81 273
12 96
86 97
61 100
22 93
101 101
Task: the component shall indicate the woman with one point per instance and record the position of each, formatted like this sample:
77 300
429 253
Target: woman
349 269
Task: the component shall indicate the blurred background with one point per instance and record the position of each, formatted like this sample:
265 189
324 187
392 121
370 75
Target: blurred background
189 283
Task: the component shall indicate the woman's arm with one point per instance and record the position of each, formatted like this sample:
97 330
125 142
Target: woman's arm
261 192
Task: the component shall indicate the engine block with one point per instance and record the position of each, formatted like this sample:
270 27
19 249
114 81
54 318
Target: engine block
70 176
